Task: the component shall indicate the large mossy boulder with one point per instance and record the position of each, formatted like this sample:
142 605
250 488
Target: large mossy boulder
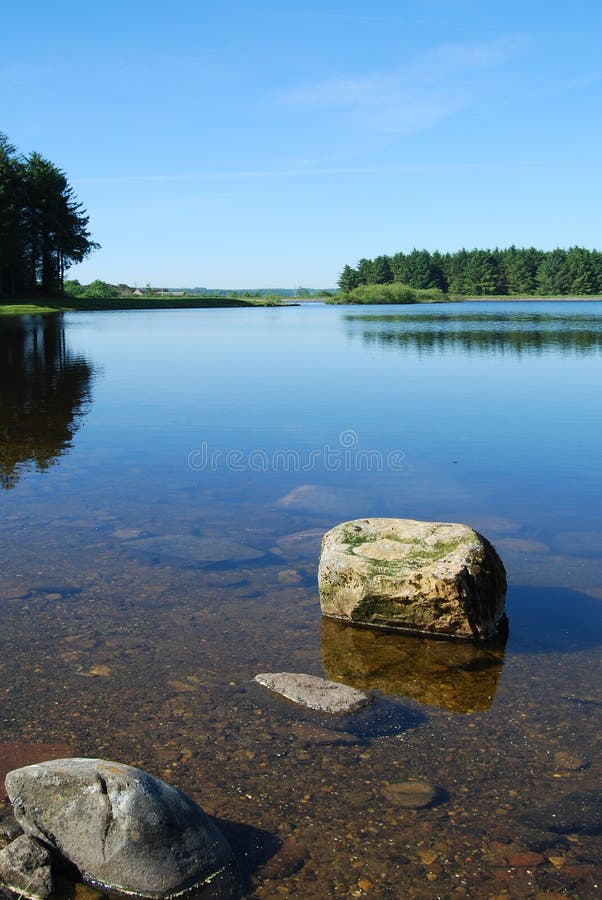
123 829
429 577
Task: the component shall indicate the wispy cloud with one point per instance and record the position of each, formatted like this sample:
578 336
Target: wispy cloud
554 88
411 98
299 172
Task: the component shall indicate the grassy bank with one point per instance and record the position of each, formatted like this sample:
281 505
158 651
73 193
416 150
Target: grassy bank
81 304
395 293
25 309
389 293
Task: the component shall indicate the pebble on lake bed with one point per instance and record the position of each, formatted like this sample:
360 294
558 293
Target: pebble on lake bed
289 576
577 813
410 794
314 692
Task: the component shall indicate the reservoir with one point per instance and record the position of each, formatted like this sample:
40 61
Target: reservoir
165 480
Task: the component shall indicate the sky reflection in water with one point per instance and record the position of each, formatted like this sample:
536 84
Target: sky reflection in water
175 430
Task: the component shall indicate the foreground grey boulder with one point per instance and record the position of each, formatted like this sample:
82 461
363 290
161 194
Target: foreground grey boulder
429 577
123 829
314 692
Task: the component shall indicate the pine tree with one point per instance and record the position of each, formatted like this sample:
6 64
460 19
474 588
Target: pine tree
365 272
11 217
582 272
43 228
381 270
553 277
348 279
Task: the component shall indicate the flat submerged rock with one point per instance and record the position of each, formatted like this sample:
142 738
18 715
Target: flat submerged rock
318 498
314 692
577 813
188 550
302 543
410 794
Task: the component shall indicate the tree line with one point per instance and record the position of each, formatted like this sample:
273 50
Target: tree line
43 227
480 273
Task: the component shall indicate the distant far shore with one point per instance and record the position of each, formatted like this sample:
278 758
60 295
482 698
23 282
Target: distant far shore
43 306
501 298
527 299
39 305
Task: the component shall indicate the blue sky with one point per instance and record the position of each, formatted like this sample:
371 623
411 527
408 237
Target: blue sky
247 144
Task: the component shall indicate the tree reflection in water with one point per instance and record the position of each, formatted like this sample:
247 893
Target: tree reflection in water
503 333
45 390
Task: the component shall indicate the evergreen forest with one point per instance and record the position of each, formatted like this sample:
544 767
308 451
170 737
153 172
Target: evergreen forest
515 271
43 227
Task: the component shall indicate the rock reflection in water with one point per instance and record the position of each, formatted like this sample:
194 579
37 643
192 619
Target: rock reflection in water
44 390
461 677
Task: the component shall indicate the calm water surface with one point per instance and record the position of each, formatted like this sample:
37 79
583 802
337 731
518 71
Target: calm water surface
129 439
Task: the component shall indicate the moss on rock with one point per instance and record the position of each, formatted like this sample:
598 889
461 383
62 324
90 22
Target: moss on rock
432 577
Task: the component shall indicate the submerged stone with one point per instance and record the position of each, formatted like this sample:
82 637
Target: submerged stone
122 828
289 576
290 858
576 813
318 498
302 543
188 550
410 794
314 692
429 577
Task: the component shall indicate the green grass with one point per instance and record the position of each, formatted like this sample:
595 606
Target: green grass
389 293
397 294
81 304
25 309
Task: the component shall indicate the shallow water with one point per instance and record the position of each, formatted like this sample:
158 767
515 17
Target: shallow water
166 479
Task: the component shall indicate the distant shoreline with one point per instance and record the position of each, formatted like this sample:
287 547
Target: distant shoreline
48 306
537 298
587 298
42 306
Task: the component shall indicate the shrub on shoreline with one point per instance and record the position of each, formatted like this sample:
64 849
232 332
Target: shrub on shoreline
390 293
